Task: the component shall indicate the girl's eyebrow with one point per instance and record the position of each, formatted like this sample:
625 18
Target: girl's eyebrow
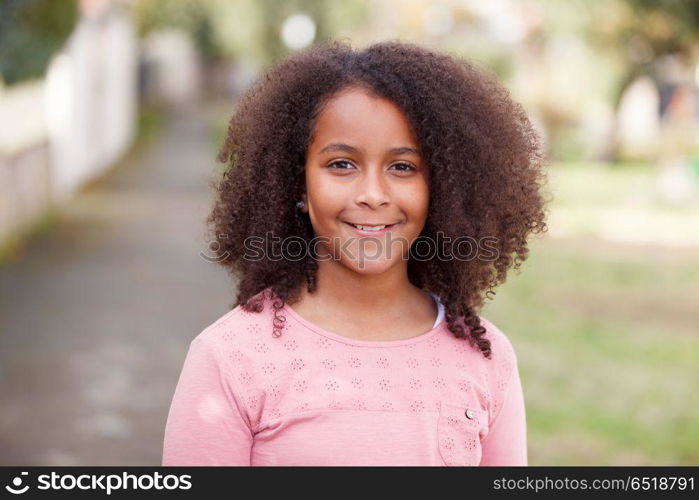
339 146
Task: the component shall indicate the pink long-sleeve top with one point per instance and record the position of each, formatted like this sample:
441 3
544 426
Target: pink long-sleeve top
314 397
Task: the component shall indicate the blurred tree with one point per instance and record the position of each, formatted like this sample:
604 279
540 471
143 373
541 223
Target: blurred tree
650 30
190 16
249 29
641 33
205 39
31 31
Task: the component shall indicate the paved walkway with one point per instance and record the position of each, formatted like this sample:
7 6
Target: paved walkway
96 317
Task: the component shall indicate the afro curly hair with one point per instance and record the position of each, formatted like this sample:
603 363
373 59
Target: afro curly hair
484 156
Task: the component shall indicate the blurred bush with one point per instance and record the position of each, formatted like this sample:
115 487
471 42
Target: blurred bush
190 16
31 31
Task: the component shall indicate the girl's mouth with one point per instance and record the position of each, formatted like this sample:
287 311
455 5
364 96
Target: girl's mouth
368 230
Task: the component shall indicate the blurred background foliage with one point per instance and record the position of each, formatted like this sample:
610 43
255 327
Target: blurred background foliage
613 43
31 32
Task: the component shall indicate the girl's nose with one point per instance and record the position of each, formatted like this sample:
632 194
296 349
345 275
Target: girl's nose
372 188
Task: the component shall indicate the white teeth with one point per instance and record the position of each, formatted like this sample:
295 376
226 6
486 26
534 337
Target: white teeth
369 228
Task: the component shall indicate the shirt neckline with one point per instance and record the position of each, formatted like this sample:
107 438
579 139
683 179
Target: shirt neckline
361 343
440 309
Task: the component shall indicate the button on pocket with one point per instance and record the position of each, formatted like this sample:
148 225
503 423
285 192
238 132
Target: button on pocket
459 431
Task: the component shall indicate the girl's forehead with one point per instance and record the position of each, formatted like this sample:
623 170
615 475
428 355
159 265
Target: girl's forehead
359 117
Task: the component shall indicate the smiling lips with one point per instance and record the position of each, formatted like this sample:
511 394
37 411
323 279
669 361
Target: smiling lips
369 228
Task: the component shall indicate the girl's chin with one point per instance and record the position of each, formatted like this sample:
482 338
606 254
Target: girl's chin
369 266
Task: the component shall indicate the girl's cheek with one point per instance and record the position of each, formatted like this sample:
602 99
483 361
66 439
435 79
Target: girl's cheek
416 197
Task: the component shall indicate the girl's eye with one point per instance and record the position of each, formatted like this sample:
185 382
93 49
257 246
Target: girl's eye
409 169
406 166
339 162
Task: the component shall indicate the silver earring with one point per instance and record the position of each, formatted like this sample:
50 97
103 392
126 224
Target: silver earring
299 204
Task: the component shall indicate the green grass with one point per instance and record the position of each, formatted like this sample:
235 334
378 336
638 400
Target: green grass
601 371
607 338
150 122
13 248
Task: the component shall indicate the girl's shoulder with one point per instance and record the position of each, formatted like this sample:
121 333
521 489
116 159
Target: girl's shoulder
238 322
503 362
243 326
503 358
499 341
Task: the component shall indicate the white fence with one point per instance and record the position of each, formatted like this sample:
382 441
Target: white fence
59 133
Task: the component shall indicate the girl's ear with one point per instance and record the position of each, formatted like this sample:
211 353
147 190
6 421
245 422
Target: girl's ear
305 203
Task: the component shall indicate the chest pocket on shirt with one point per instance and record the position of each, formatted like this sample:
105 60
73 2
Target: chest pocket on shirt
459 430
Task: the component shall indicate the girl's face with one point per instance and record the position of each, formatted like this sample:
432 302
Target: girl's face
363 166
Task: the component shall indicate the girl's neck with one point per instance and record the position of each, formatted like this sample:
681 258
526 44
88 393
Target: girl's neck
367 306
339 287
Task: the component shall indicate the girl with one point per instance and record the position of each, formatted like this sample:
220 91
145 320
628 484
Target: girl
354 179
